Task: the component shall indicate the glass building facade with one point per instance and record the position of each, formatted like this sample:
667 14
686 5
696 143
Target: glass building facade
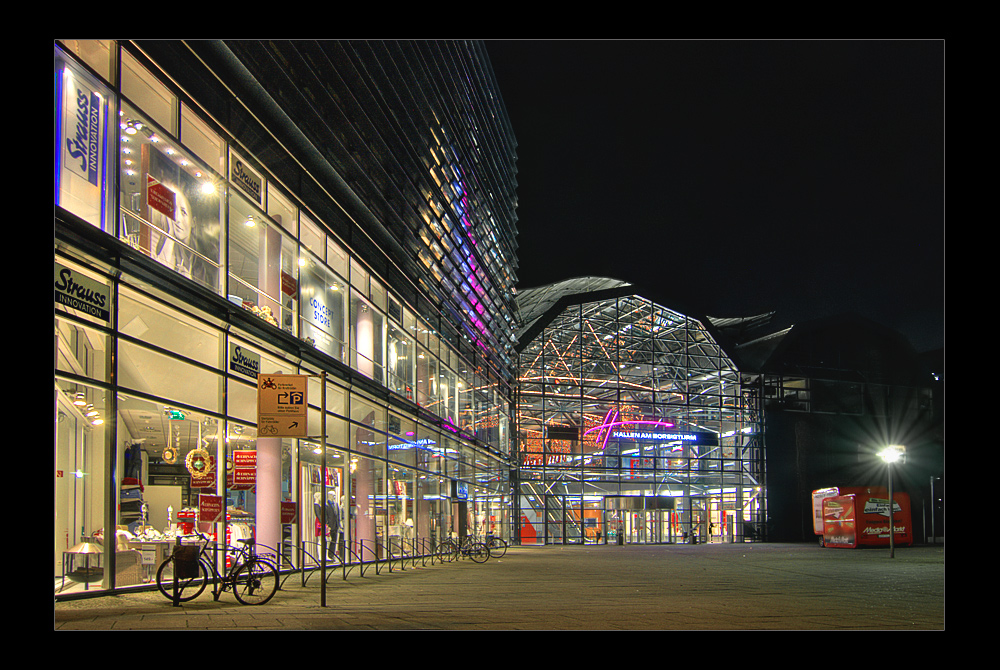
632 423
341 211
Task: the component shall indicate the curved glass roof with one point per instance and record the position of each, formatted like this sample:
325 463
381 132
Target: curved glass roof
533 303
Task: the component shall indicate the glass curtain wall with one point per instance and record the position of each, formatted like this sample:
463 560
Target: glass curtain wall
623 398
155 400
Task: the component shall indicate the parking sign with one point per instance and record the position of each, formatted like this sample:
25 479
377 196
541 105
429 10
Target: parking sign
281 405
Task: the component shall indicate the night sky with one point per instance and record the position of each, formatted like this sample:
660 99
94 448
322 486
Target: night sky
736 177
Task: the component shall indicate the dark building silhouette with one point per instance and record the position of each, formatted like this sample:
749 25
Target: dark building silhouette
834 391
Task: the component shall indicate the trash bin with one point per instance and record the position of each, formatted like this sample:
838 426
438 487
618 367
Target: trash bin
621 538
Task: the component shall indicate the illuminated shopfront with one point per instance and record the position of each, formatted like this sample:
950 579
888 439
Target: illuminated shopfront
184 267
632 423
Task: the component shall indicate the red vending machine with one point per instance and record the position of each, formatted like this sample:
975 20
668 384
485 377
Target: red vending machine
862 520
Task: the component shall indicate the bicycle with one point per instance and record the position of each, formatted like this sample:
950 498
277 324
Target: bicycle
450 550
253 577
497 545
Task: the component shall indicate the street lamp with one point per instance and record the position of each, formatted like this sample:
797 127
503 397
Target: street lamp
892 454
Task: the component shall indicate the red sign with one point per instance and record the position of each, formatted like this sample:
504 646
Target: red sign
244 477
246 458
289 512
161 198
209 508
862 519
203 481
289 286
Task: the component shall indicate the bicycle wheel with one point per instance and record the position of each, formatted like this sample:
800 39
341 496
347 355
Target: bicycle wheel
187 588
498 547
255 582
479 552
447 551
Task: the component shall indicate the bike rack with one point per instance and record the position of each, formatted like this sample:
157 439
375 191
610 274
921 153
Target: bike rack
414 550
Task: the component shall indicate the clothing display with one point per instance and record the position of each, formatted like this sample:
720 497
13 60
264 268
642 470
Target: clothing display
130 506
133 462
332 513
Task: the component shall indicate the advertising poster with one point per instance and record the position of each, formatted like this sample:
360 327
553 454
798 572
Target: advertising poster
81 145
185 219
839 528
863 520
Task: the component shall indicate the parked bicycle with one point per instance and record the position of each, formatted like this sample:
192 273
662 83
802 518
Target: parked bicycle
450 550
253 577
497 546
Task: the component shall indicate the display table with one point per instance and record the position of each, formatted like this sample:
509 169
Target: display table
153 553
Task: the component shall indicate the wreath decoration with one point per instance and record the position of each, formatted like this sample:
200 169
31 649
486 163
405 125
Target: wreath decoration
198 462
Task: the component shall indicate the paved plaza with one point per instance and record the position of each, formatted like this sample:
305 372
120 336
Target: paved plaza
634 587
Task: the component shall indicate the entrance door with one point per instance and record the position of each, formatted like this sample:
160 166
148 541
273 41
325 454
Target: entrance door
644 526
699 520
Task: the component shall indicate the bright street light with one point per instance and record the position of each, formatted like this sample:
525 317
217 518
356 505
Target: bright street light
894 453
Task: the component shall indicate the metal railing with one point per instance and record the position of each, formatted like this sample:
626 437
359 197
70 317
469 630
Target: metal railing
400 554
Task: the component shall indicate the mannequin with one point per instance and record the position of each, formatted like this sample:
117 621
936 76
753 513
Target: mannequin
332 519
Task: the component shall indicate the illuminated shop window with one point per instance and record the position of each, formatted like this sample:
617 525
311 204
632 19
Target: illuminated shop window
323 315
83 140
263 266
171 205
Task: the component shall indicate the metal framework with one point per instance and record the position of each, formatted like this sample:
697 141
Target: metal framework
621 397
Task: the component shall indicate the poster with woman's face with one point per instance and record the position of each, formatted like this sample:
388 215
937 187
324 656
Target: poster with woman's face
186 218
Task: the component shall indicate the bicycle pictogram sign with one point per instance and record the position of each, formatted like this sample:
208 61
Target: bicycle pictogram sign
282 405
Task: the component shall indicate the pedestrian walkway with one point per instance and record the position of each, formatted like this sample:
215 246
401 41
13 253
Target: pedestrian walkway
589 587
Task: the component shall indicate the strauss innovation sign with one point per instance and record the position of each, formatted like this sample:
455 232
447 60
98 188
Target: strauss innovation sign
81 293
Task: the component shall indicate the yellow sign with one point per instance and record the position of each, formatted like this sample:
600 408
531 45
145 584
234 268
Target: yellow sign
282 405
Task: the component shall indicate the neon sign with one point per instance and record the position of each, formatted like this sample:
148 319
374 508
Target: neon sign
641 430
610 422
643 435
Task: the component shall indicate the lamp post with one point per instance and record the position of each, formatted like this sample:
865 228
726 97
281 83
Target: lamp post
892 454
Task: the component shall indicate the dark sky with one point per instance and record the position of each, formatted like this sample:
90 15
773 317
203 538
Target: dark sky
736 177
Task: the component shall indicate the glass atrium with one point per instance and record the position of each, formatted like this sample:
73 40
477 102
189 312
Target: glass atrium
632 423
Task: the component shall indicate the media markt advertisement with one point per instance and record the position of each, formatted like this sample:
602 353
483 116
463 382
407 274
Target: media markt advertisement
862 519
839 522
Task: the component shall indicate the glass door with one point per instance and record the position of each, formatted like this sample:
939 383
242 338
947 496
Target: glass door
698 533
